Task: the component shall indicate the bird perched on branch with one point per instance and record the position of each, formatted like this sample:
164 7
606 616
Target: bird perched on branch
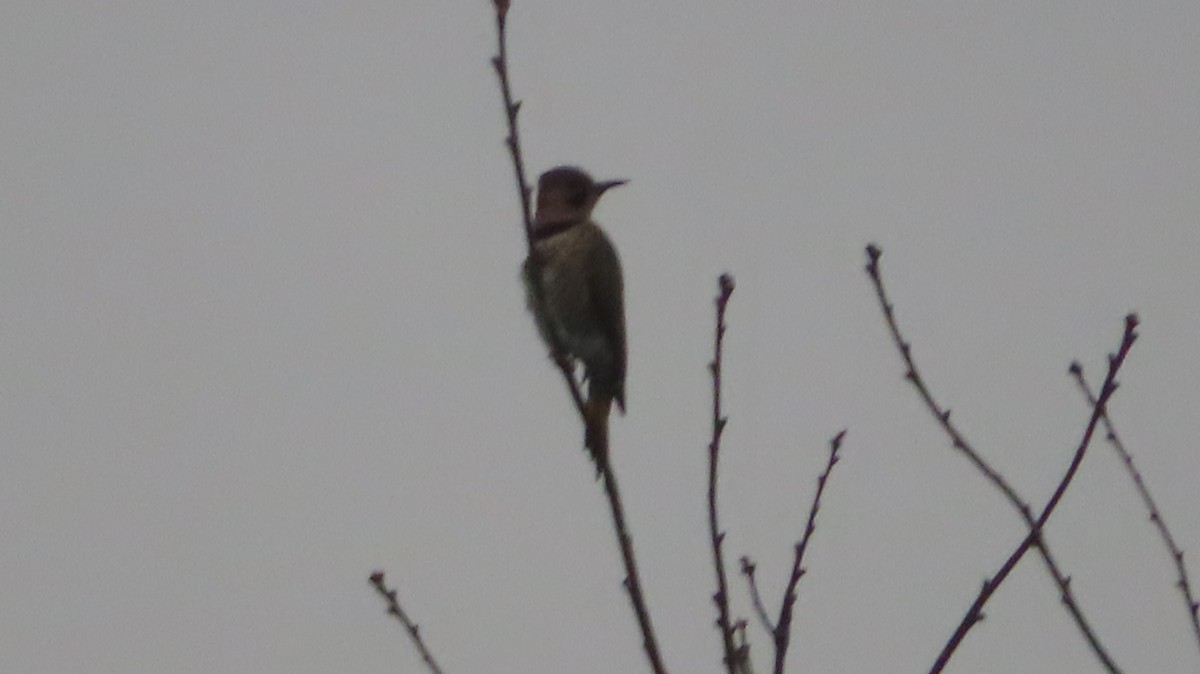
581 308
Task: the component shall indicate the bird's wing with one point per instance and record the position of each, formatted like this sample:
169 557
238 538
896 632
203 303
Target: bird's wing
606 292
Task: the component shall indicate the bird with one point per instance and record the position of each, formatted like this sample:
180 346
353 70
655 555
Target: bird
575 291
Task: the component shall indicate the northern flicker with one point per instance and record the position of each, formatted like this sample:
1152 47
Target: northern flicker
582 307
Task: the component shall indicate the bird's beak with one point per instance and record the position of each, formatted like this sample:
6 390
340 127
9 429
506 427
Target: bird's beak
602 187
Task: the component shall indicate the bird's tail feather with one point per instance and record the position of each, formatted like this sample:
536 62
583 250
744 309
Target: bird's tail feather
595 437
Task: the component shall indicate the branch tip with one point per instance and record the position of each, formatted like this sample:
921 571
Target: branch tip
726 284
873 255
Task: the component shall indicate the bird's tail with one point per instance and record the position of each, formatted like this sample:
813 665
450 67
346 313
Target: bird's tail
595 436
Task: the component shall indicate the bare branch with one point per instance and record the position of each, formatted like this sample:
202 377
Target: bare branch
1185 588
959 442
394 609
974 614
783 627
603 466
732 658
632 583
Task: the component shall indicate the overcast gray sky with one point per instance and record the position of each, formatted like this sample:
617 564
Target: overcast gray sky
261 330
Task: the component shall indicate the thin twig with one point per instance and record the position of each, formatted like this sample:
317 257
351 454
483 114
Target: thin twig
783 626
731 659
960 443
604 467
511 108
748 569
394 609
513 142
914 377
1185 588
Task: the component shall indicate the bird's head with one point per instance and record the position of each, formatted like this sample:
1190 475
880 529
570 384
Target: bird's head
566 194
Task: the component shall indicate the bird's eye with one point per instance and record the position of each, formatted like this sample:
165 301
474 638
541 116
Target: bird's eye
578 198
